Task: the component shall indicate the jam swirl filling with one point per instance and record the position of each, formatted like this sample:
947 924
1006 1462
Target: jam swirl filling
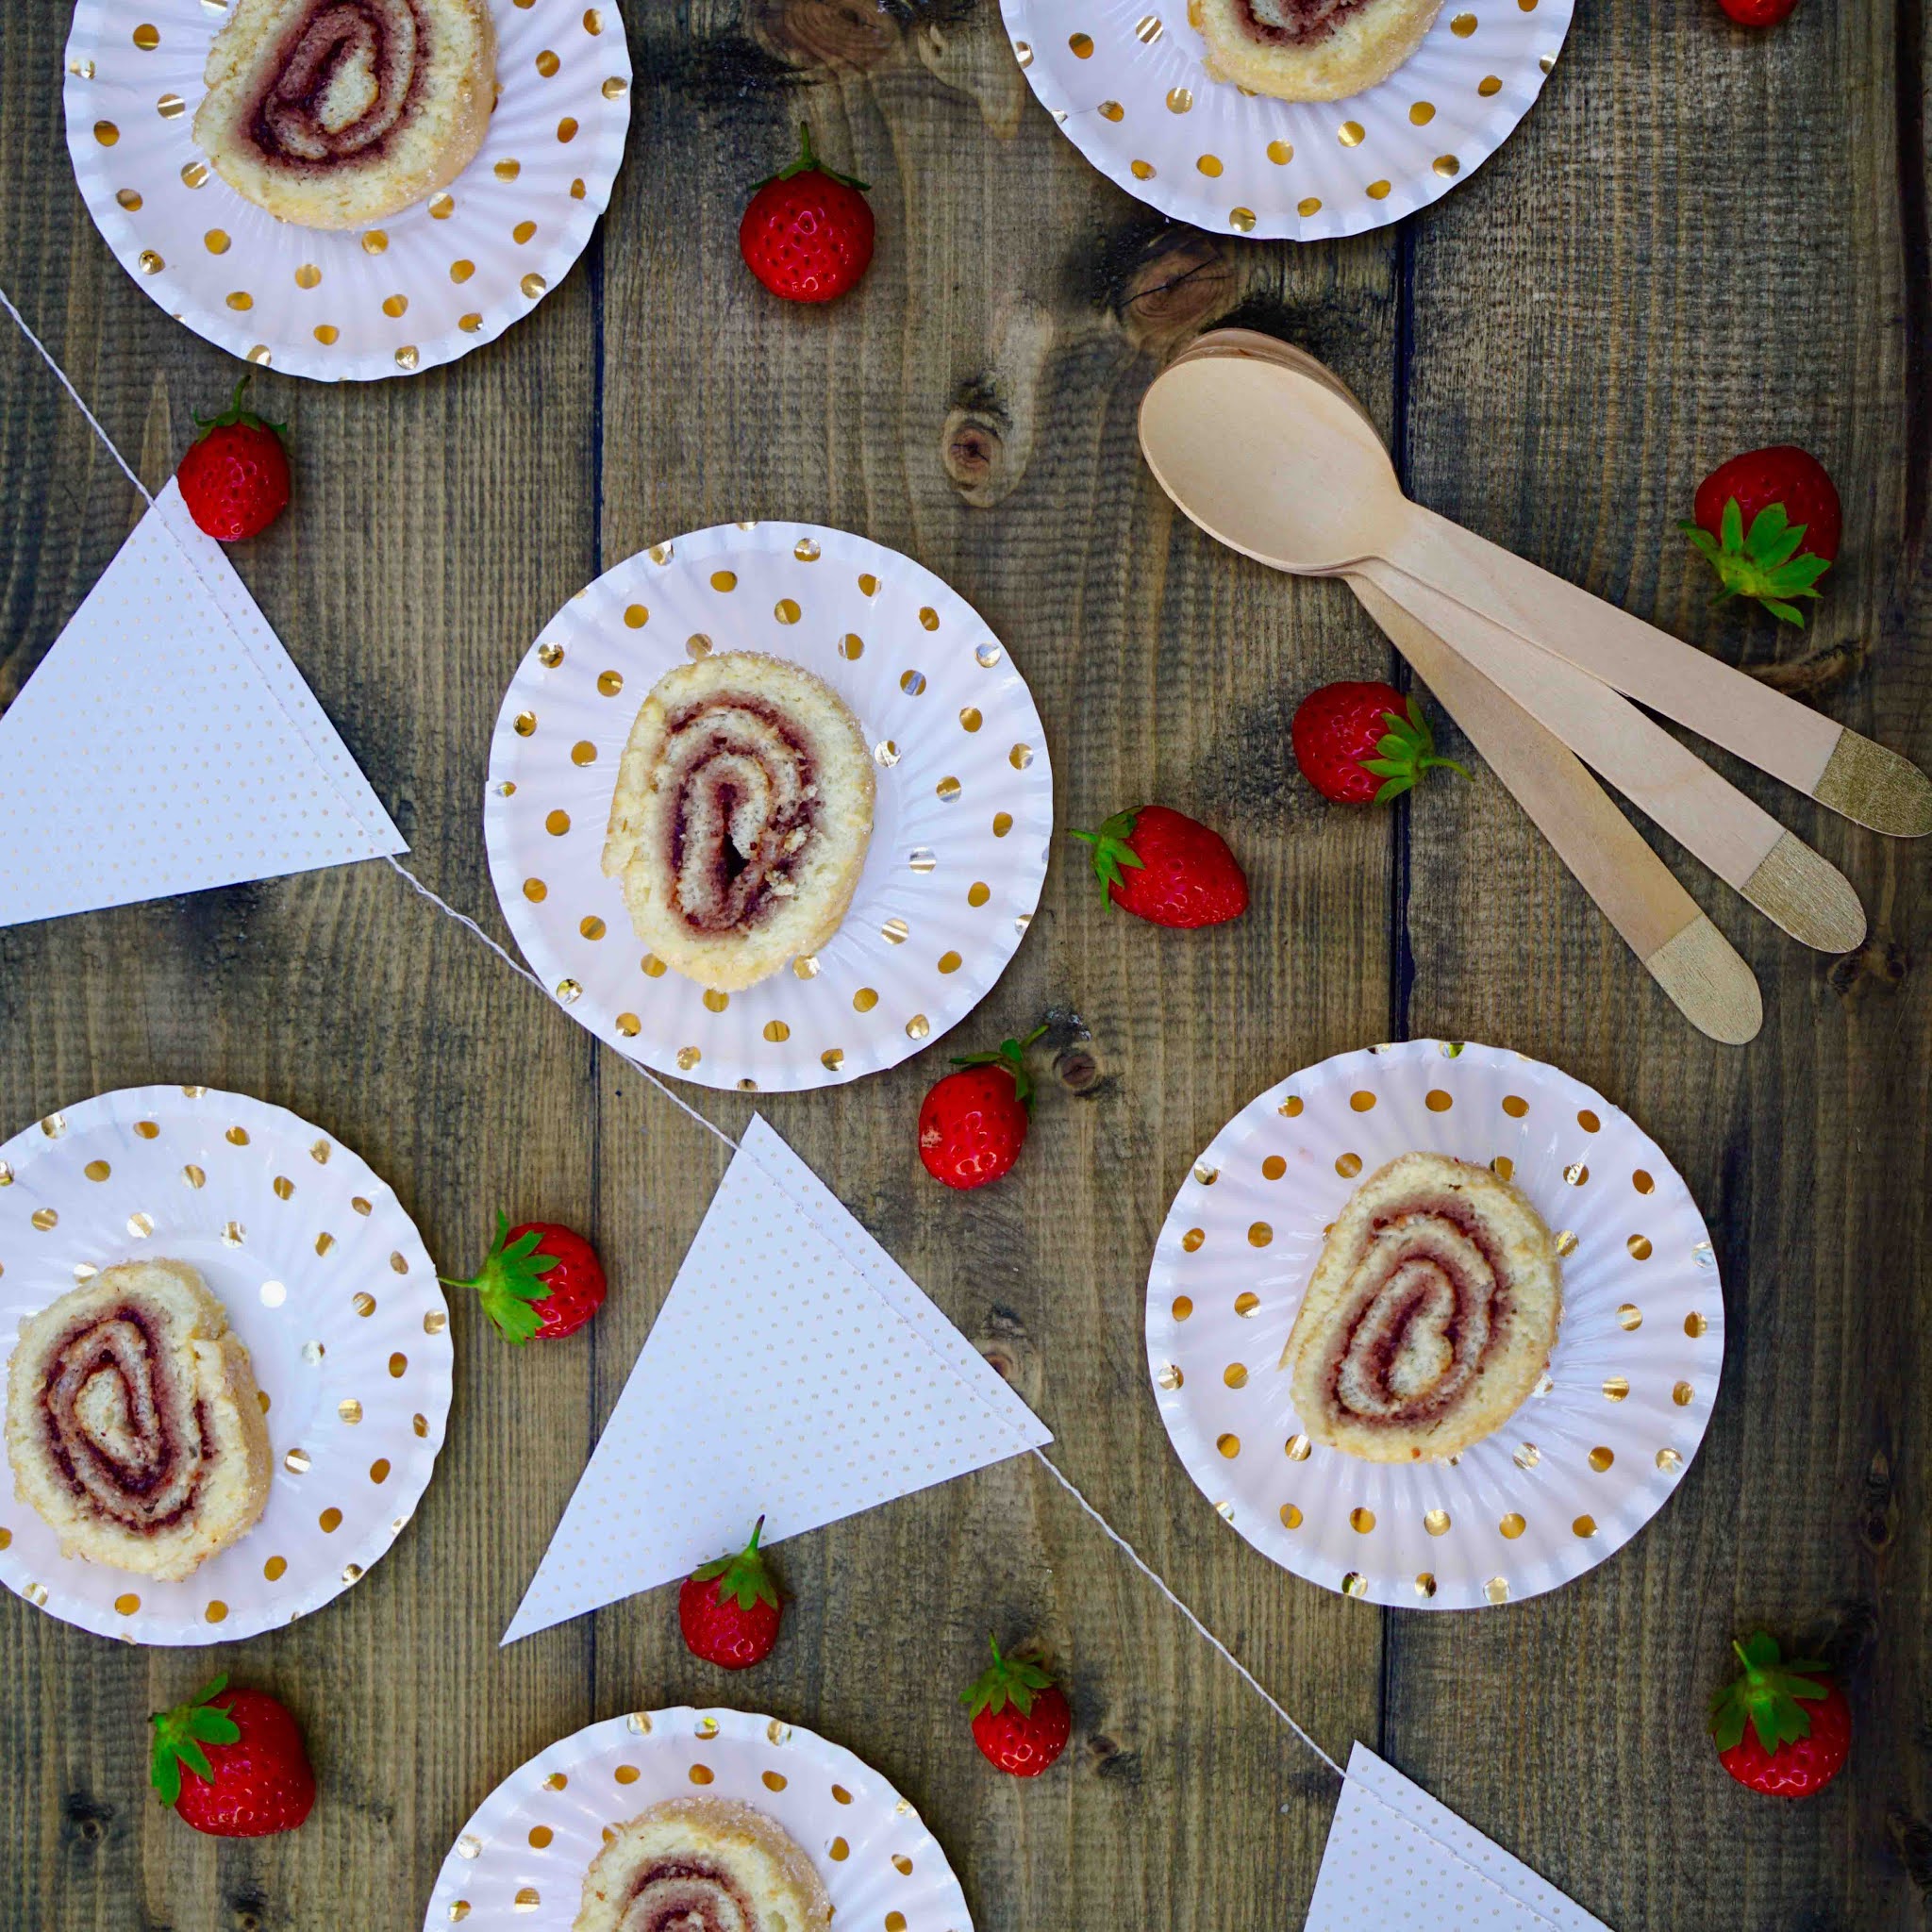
1294 23
687 1895
130 1441
1425 1306
743 805
342 79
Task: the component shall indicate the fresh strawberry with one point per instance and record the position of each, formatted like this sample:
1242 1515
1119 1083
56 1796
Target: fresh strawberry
1363 743
250 1776
235 478
539 1280
808 233
729 1610
1770 522
1758 13
1167 868
1021 1721
1766 1737
974 1124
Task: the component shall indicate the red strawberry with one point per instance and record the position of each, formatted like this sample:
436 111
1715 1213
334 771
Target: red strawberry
729 1610
539 1280
251 1776
1021 1721
1770 522
235 478
1766 1739
1758 13
1165 867
1363 743
807 232
974 1124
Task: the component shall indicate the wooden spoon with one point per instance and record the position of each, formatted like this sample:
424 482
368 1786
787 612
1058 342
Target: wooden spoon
1745 846
1274 462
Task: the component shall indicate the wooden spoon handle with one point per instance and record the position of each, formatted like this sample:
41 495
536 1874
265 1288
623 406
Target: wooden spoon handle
1664 927
1841 769
1732 834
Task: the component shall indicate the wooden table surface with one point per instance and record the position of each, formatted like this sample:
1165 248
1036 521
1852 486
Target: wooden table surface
1701 240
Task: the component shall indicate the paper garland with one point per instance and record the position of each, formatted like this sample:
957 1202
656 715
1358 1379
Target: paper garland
167 744
796 1372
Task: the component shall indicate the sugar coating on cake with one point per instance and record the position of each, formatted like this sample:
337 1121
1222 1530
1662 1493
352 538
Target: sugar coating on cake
741 818
1431 1314
134 1426
703 1865
1310 50
336 113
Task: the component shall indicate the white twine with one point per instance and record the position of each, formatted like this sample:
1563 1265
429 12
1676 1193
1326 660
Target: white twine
803 1207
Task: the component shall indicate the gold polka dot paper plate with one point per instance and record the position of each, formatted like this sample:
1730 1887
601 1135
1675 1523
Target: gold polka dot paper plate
1126 82
324 1280
422 287
1586 1461
521 1859
962 820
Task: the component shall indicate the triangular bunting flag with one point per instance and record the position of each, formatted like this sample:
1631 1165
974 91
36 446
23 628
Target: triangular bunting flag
167 744
1401 1862
794 1371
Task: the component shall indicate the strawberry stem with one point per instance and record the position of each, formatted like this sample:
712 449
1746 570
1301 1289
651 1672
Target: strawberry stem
510 1281
808 162
1010 1053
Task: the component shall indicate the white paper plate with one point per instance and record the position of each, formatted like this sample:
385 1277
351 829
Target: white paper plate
297 1238
1125 81
423 287
1578 1470
521 1859
960 830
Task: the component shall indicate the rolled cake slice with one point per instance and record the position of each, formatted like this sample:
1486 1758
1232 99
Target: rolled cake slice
334 113
741 818
133 1422
703 1865
1310 50
1431 1314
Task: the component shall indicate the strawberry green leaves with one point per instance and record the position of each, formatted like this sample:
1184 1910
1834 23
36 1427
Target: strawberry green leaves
510 1281
1407 751
1111 849
1767 1697
741 1579
1007 1680
1768 563
179 1735
1011 1055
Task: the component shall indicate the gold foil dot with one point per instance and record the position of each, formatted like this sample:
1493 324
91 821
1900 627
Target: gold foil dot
557 824
326 333
688 1056
528 1899
398 1364
1351 134
1527 1455
1290 1108
142 1226
592 927
786 610
1639 1248
1348 1166
1082 45
838 1851
151 263
1436 1523
896 932
323 1243
614 89
1111 111
129 199
540 1835
1566 1241
701 1773
1488 87
1513 1526
396 306
97 1170
1206 1174
36 1593
1355 1584
216 241
296 1463
1179 100
832 1059
533 285
171 106
126 1605
81 69
1602 1457
1577 1173
1361 1521
1259 1235
986 656
1182 1307
1280 153
547 63
106 133
1641 1182
1362 1102
978 892
1208 165
1447 166
1170 1377
397 1265
1502 1167
1463 25
1191 1240
1290 1517
1616 1389
350 1410
1669 1461
420 1424
567 132
1682 1394
1235 1376
1297 1448
469 1846
1246 1303
1379 191
1585 1525
285 1188
1515 1106
918 1026
778 1032
715 1002
1630 1318
1694 1325
329 1520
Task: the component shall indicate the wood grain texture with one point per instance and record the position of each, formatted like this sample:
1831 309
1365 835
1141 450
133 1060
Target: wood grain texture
1559 349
